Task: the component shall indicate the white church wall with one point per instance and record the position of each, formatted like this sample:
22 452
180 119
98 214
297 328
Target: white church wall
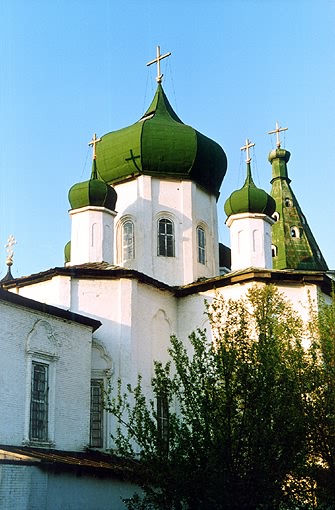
145 201
55 291
191 309
29 337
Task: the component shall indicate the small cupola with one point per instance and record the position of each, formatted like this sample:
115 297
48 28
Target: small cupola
249 199
94 192
92 218
249 210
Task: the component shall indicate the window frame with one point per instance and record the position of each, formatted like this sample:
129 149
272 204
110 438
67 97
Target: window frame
165 239
97 415
39 407
127 241
163 412
201 244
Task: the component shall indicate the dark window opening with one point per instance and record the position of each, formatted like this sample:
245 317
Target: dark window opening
165 238
96 415
201 245
39 403
163 422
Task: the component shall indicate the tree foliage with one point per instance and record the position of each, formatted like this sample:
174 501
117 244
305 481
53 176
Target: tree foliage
237 425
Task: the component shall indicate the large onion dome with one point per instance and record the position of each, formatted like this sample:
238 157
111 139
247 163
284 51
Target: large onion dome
161 145
249 199
94 192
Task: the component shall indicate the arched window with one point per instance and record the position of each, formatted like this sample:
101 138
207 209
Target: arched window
288 202
201 245
165 241
295 232
274 250
276 216
128 240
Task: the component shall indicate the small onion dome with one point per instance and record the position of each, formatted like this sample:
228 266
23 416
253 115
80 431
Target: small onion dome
278 159
67 252
161 145
279 154
249 199
94 192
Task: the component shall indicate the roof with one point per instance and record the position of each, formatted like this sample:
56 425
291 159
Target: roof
160 144
295 244
89 461
31 304
102 270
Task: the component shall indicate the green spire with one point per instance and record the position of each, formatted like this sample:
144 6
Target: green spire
294 244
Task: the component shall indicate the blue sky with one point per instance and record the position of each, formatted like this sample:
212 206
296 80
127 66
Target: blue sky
71 68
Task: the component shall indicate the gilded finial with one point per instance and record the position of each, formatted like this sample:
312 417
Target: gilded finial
246 148
277 131
158 61
93 143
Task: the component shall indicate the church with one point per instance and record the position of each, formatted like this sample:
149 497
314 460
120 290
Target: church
143 256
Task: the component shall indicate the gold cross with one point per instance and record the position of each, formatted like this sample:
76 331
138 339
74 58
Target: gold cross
93 142
246 148
158 61
9 249
277 131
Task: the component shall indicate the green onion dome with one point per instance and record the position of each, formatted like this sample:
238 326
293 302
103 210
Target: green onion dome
278 159
67 252
94 192
161 145
249 199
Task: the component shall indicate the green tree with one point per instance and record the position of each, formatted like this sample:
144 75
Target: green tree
229 427
319 402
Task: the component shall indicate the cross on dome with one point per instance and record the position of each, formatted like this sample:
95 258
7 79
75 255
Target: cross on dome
277 131
93 142
158 61
9 249
133 158
246 148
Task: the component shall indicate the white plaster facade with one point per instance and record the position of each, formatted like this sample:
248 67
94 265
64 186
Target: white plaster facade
250 239
92 235
138 316
63 346
144 201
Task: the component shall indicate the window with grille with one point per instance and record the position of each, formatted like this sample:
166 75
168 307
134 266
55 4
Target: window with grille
165 238
96 421
163 422
39 402
128 241
201 245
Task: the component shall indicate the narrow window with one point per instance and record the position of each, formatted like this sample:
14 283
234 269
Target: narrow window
165 238
275 216
288 202
163 422
39 402
274 250
96 415
201 245
295 232
128 241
